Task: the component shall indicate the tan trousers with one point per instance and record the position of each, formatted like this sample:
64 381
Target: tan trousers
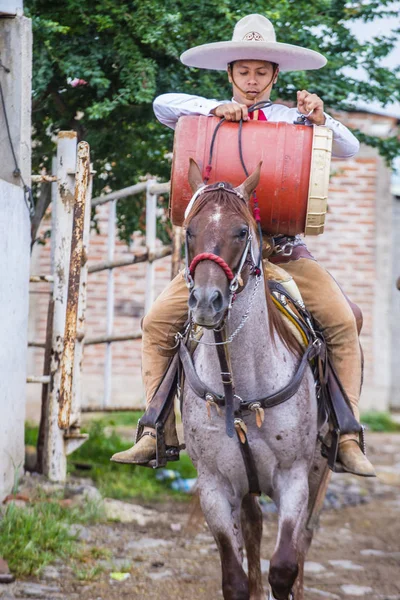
322 296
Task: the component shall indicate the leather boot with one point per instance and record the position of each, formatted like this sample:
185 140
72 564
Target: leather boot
141 453
144 450
353 460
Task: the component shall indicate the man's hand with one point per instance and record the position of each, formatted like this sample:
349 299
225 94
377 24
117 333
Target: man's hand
232 111
307 102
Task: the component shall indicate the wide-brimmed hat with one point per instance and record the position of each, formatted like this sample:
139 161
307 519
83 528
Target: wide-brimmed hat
253 39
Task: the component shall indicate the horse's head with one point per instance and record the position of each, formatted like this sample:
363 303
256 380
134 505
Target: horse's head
219 230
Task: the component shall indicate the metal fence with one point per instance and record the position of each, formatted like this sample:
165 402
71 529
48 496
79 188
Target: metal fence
59 433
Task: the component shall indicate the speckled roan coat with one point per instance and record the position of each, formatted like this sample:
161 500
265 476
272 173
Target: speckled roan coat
288 464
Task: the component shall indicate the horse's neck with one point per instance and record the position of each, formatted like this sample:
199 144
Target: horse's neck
260 362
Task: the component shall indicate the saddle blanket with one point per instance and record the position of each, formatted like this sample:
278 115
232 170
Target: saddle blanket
292 319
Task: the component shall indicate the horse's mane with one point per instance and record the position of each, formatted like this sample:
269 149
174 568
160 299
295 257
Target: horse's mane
236 205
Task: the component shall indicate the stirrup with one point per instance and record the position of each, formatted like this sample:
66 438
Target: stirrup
171 455
331 452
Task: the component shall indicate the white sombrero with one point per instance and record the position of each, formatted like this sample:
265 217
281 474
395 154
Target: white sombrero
253 39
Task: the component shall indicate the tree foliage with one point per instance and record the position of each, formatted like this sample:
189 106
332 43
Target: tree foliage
99 64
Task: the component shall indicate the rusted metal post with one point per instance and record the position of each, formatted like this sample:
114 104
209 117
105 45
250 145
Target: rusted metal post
151 225
110 303
75 265
177 239
80 332
54 459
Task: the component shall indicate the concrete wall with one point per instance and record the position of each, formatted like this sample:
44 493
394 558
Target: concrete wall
14 300
16 55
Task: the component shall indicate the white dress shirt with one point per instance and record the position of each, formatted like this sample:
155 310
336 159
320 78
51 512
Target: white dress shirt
169 107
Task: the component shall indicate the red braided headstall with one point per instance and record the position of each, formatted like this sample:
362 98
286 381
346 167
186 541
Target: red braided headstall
214 258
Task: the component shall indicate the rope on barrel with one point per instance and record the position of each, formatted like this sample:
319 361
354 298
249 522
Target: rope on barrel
214 136
256 208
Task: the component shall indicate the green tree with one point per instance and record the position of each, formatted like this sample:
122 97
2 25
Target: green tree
99 64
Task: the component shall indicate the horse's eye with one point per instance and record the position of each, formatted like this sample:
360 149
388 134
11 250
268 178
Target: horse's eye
189 234
243 234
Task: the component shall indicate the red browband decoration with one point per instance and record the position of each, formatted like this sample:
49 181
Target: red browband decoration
256 209
208 172
214 258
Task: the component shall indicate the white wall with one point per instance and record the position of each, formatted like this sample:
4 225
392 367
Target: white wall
16 55
14 278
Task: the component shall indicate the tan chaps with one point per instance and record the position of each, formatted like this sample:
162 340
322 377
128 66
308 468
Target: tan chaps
322 296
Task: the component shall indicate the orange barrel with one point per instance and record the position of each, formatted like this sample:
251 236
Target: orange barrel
286 183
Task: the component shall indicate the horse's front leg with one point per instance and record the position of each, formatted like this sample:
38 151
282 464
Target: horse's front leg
298 587
223 517
318 484
252 525
291 496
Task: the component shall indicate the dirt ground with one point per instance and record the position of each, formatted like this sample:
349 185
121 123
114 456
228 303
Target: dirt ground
355 552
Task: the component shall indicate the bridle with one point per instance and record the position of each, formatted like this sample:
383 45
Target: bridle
220 336
233 278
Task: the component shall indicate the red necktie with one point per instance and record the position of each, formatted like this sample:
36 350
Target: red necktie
257 115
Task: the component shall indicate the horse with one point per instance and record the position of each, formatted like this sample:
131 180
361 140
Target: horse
285 449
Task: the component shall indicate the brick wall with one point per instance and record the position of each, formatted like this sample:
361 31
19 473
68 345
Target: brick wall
348 249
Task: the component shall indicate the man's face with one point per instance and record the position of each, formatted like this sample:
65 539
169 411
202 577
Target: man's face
252 80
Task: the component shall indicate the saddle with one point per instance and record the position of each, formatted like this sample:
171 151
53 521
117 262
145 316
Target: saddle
334 408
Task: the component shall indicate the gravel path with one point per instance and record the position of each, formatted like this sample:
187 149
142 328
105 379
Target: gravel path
355 552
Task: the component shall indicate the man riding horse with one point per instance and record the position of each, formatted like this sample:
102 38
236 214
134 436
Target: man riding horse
253 60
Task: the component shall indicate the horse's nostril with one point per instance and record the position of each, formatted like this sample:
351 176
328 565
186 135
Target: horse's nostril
206 300
217 301
193 299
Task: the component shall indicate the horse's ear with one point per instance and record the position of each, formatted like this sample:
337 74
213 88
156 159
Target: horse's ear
249 185
194 176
